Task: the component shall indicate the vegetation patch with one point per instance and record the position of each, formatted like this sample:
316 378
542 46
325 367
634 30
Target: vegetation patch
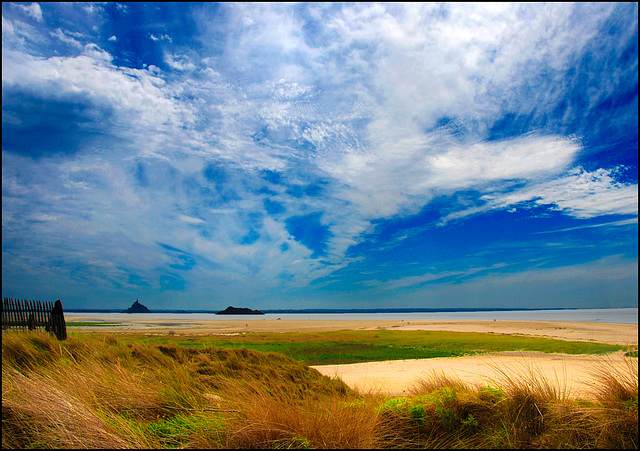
349 346
109 390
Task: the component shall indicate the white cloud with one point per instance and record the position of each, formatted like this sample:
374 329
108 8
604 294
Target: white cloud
580 193
612 267
624 222
130 91
92 9
425 67
419 280
179 62
528 157
427 64
406 174
7 27
65 37
164 37
191 220
18 34
33 10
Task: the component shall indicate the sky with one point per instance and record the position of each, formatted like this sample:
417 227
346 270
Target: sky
320 155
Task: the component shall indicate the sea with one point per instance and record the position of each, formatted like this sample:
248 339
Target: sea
614 315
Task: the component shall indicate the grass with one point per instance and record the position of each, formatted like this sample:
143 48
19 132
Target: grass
108 390
349 346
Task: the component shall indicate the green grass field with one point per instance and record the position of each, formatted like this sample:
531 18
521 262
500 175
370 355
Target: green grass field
351 346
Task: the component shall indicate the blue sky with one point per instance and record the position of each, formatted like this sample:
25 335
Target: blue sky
308 155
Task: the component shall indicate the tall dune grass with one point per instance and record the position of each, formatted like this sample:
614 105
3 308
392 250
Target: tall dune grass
100 391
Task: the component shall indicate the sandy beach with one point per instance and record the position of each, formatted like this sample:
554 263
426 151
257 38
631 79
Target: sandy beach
572 373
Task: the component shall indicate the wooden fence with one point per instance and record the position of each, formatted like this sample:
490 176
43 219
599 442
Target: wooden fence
24 314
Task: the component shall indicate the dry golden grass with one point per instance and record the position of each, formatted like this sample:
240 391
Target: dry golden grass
269 420
99 391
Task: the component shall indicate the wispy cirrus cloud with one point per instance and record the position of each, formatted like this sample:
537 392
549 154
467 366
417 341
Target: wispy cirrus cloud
624 222
418 281
580 193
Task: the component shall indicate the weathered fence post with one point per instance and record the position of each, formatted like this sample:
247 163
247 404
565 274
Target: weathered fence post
31 317
57 321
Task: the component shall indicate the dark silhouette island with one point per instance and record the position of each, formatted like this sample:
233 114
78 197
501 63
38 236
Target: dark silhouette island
239 311
137 308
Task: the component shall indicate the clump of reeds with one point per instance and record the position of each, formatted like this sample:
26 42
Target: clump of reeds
105 391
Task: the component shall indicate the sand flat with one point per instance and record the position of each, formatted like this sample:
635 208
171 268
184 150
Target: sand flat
613 333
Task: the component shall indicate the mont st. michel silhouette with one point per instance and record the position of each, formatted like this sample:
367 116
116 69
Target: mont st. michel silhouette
137 307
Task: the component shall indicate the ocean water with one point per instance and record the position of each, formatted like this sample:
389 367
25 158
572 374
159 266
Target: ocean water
619 315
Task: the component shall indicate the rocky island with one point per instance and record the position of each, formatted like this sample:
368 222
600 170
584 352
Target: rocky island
239 311
136 308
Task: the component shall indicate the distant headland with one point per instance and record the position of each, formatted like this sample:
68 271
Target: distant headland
239 311
136 308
